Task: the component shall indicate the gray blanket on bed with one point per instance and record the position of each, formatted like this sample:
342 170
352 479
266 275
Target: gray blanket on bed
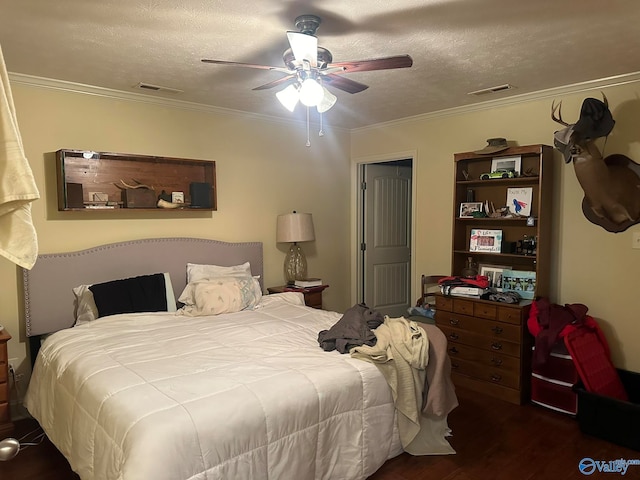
352 330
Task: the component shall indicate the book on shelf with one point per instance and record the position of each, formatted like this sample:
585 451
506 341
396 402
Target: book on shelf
308 282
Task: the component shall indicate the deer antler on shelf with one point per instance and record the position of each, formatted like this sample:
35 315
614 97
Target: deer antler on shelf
137 185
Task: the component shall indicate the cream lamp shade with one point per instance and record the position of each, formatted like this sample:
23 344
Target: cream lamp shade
293 228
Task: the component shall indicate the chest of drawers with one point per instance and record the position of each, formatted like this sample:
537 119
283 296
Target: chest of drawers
489 346
5 418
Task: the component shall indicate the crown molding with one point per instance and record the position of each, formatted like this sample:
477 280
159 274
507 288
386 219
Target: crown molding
511 100
42 82
72 87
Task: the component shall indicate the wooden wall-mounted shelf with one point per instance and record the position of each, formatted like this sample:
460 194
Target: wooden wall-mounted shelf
81 174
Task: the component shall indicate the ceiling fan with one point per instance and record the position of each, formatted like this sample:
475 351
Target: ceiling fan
309 67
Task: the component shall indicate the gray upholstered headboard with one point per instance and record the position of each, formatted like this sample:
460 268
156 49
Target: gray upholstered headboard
48 295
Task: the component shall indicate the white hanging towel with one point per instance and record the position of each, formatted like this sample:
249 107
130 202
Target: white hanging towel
18 240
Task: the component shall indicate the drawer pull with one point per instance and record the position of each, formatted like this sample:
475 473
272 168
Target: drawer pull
453 350
453 336
496 361
454 321
496 378
497 330
496 346
455 366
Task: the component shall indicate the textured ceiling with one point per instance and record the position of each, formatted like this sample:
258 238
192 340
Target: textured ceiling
458 46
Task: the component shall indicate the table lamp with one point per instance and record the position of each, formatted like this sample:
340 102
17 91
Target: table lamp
295 227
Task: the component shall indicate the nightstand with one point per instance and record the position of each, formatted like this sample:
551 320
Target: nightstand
6 427
312 295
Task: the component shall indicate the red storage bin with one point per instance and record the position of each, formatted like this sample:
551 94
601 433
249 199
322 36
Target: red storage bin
552 384
554 394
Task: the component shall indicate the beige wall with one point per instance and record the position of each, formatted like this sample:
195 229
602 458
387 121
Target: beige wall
592 266
263 169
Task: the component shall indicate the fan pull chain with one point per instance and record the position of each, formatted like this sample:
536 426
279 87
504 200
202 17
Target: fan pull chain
308 136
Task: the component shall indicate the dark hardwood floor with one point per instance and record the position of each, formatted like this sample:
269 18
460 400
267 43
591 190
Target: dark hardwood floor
494 440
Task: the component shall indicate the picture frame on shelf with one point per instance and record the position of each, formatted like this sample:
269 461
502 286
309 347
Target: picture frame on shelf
507 163
522 282
494 273
519 200
482 240
467 209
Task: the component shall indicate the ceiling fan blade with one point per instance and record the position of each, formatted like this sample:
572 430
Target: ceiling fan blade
386 63
248 65
276 83
304 47
343 83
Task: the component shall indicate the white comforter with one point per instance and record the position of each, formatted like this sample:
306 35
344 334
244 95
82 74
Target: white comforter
248 395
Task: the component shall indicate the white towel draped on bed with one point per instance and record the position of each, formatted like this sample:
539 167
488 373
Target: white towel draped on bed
402 354
18 241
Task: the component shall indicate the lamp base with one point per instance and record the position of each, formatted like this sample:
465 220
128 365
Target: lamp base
295 264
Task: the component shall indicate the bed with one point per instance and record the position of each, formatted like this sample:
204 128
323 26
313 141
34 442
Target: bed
159 394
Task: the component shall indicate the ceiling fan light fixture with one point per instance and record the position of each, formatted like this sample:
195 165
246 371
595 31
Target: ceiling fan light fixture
304 47
289 97
311 92
308 67
328 101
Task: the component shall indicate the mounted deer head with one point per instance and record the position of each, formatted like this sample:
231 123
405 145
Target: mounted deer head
611 185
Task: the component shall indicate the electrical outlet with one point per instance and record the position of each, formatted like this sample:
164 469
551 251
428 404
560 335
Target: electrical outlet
635 242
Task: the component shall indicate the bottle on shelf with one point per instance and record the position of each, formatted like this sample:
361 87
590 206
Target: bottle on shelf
470 269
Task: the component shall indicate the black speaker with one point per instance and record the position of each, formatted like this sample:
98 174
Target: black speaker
201 195
75 195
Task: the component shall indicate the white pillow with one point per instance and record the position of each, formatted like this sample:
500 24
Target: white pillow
222 295
86 310
198 273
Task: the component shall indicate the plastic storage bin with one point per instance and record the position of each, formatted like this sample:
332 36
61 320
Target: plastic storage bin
553 384
610 419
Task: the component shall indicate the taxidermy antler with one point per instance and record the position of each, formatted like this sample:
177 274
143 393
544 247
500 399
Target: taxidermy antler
137 185
611 185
